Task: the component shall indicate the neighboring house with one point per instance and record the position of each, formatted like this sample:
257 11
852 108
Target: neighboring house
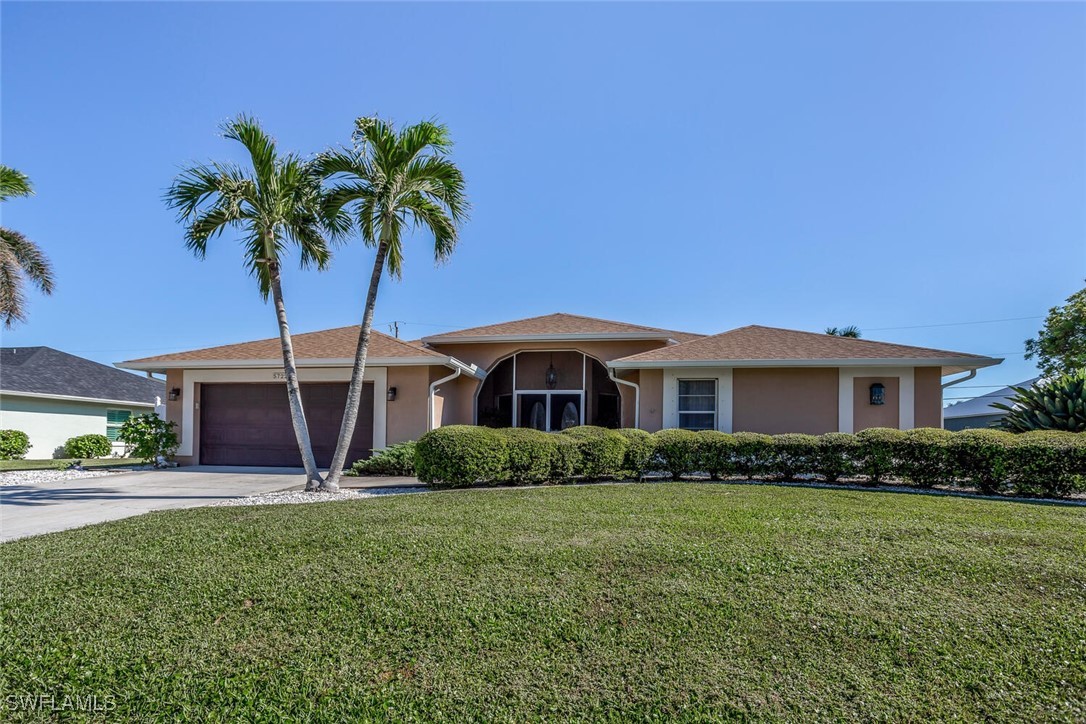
548 372
978 412
53 396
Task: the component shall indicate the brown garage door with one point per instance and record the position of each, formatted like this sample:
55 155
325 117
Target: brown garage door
249 424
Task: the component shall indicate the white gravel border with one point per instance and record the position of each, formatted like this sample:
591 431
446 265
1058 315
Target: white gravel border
295 497
25 477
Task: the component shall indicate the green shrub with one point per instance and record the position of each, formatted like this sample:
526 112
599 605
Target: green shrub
148 436
982 457
603 451
398 459
1057 403
458 456
531 454
794 454
566 461
923 456
753 454
14 444
88 446
1048 463
876 449
678 451
640 451
717 453
835 457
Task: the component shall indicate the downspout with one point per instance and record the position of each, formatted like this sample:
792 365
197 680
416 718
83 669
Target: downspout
971 375
430 397
637 395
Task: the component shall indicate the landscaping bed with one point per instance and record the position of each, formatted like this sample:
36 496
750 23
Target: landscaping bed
658 601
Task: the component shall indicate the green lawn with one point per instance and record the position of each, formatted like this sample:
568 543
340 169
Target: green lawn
10 465
653 601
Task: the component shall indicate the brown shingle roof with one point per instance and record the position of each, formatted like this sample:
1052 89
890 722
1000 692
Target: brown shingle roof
770 343
560 325
337 343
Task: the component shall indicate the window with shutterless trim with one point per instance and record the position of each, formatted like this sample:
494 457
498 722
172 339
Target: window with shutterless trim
697 404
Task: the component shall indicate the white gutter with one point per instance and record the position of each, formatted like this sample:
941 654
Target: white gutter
74 398
430 397
634 363
942 410
637 395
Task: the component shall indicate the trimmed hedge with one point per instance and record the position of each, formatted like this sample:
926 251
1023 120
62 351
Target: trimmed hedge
88 446
14 444
1051 464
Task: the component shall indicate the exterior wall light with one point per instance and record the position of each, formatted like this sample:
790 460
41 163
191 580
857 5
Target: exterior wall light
878 394
550 379
175 394
391 394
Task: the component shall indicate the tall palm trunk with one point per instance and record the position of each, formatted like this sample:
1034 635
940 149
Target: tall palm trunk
294 390
354 394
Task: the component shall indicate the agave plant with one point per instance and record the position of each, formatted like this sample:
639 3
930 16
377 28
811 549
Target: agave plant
1057 403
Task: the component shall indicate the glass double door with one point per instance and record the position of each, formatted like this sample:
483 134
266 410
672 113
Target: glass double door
550 411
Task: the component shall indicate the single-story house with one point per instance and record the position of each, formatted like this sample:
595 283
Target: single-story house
53 396
978 412
548 372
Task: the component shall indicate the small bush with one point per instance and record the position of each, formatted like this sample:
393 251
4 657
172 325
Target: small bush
603 451
717 453
458 456
982 457
148 436
14 444
794 454
923 456
1048 463
876 449
678 451
88 446
531 455
398 459
753 454
640 451
836 455
567 460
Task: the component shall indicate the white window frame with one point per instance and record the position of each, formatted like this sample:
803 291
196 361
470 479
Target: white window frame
716 403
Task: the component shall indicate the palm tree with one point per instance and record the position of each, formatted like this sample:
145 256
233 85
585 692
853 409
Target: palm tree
850 331
20 259
388 183
276 204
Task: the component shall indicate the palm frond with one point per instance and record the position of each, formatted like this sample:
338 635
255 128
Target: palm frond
12 299
29 258
13 183
248 132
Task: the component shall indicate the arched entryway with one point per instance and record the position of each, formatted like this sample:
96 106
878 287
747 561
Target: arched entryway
548 390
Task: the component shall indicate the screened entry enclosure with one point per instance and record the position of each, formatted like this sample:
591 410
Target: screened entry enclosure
548 391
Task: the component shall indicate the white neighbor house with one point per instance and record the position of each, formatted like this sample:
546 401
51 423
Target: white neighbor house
53 396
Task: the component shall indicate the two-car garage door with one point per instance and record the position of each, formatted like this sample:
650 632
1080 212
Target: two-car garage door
249 424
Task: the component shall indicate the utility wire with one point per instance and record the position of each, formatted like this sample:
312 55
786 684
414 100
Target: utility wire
950 324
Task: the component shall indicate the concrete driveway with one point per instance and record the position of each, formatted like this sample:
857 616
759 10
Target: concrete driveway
37 508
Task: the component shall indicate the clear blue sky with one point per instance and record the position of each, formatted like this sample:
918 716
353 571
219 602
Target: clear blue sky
698 166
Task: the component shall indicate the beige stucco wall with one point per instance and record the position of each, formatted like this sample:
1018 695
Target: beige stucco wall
50 423
779 400
652 400
864 414
928 397
459 404
406 415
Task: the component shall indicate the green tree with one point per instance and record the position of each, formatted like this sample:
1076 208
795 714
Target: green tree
21 260
1060 346
386 184
851 331
275 204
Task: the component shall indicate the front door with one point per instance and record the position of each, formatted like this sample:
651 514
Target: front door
550 411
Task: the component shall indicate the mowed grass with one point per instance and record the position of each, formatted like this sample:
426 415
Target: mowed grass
61 463
654 601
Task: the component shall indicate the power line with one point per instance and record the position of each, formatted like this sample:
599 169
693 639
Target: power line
951 324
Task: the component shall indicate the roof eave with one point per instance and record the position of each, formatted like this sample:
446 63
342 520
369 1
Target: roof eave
950 365
164 365
75 398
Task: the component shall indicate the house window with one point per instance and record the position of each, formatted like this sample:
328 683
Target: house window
697 404
114 420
